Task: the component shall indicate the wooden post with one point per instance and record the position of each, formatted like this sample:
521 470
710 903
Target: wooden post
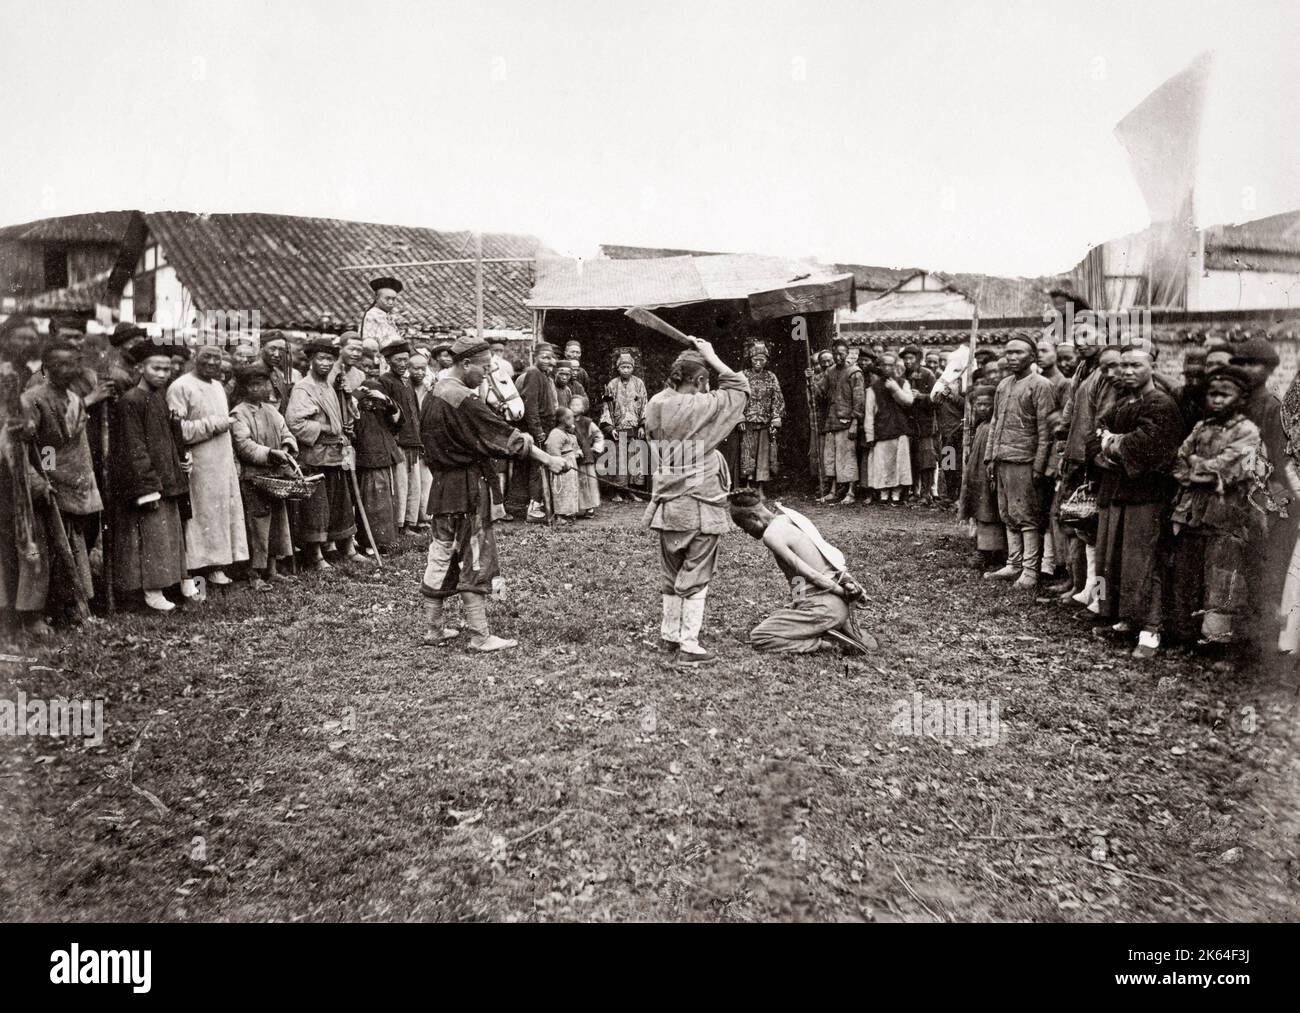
288 385
107 534
967 385
814 437
478 285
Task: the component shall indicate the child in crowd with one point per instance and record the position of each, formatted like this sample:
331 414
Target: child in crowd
563 442
1220 470
979 499
263 445
591 444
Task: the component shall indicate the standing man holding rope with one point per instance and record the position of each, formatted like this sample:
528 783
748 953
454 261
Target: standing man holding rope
688 507
462 437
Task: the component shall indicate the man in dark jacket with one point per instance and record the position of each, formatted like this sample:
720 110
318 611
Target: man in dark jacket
842 402
409 491
462 437
1020 440
922 445
1135 446
540 403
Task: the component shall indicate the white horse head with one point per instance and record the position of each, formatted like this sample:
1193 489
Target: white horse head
499 393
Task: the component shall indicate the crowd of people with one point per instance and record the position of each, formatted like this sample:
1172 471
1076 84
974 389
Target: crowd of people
1089 478
1085 476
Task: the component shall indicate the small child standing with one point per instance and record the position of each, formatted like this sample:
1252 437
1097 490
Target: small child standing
979 499
591 444
563 442
1219 466
263 444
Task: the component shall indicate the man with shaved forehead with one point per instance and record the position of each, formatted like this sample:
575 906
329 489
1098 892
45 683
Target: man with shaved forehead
1135 445
1020 440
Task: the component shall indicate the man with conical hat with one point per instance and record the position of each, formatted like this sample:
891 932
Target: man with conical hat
379 321
462 437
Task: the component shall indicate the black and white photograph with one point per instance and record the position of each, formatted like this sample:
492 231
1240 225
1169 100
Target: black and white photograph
736 461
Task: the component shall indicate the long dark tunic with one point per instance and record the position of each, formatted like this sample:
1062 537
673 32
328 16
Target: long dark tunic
461 437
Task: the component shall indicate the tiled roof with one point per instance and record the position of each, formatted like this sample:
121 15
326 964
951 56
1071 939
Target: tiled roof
876 279
289 269
1000 296
83 297
97 227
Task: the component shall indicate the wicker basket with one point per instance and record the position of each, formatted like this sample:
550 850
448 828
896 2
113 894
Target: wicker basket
296 487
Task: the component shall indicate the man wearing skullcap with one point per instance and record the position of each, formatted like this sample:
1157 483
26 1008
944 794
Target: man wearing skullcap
573 353
1220 470
149 485
1135 446
688 504
1020 440
841 394
408 492
215 537
282 375
462 436
541 401
380 320
319 416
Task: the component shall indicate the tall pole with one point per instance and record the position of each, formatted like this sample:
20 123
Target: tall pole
478 284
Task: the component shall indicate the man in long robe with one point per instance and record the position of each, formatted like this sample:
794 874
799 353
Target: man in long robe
924 454
215 536
887 430
318 417
61 439
541 401
1136 445
407 492
842 402
625 407
462 437
380 321
759 461
688 506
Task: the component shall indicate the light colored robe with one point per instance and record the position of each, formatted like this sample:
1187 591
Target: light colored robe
690 477
215 534
381 326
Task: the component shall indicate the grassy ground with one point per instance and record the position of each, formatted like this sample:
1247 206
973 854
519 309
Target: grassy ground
299 756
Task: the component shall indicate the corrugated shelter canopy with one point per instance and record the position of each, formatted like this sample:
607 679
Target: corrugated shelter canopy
565 283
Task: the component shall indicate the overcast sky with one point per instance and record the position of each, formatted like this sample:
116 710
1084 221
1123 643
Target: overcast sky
955 134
